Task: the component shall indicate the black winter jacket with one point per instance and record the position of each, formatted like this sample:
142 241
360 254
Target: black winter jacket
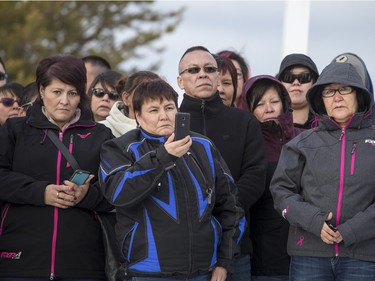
175 216
238 137
38 240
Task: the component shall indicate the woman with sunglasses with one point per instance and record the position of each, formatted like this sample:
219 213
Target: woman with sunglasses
324 183
9 101
103 94
48 228
298 73
121 117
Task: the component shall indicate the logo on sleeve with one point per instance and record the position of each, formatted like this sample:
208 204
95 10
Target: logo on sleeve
10 255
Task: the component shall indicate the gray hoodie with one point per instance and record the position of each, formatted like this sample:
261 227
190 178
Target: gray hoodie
330 169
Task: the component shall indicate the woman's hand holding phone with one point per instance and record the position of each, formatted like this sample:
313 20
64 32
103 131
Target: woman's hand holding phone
80 191
178 147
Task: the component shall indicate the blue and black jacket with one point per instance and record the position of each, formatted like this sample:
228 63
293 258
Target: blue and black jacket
175 216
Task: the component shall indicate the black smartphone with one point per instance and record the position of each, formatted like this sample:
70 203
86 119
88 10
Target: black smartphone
334 228
79 177
182 125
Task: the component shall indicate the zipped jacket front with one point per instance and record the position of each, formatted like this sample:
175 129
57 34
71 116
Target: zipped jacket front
175 216
38 240
330 169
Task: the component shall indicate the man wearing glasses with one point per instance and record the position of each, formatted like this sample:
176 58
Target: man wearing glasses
234 132
3 73
298 73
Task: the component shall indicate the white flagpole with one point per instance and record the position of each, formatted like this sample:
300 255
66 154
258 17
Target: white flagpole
296 27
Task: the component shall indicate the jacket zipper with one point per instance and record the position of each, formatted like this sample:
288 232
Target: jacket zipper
208 190
341 184
70 149
55 214
189 225
354 153
203 105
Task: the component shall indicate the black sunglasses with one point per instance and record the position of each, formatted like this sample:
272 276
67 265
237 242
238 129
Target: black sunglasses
302 78
197 69
3 76
8 102
98 92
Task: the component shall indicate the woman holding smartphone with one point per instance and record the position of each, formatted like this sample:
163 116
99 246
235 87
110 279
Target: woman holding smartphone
178 216
48 226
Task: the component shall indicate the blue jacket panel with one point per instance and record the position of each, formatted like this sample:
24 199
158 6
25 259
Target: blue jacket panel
176 216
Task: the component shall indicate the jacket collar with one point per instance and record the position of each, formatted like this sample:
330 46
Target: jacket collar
357 121
211 107
38 119
148 136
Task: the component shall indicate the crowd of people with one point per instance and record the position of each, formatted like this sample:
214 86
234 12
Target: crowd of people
272 183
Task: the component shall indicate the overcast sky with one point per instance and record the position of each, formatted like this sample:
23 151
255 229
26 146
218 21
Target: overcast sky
255 29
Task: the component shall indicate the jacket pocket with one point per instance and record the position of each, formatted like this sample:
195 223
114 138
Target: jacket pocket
128 242
353 156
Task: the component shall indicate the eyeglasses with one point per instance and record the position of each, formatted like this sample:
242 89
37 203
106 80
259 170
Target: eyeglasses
327 93
98 92
197 69
3 76
8 102
302 78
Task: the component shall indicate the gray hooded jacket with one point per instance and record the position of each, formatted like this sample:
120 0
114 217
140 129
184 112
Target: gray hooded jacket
330 169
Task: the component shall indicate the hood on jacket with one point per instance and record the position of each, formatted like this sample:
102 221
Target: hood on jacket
359 65
298 60
246 93
342 73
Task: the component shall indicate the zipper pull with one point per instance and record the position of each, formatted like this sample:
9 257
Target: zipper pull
354 148
209 192
202 105
342 133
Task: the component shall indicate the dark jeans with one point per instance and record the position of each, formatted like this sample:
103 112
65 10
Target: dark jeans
46 279
204 277
270 278
331 269
241 269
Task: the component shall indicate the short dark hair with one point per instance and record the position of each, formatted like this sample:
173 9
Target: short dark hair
136 78
194 48
108 78
68 69
97 60
153 90
241 61
15 89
